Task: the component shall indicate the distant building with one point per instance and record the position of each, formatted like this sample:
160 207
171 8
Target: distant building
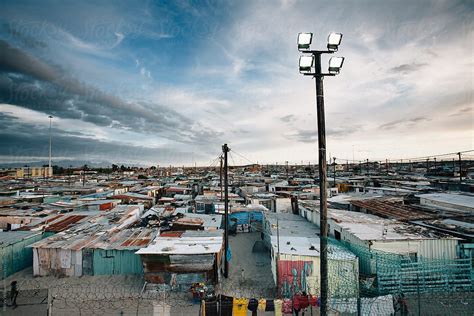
27 172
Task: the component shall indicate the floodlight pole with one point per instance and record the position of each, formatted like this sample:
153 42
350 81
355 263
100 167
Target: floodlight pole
226 149
323 241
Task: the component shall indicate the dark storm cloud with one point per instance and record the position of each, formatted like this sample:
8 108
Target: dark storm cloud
19 140
30 83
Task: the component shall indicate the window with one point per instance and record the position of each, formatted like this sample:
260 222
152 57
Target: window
413 256
337 235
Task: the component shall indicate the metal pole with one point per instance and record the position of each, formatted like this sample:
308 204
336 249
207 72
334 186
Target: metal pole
334 175
49 169
278 253
286 170
225 149
220 175
460 168
418 292
454 167
323 180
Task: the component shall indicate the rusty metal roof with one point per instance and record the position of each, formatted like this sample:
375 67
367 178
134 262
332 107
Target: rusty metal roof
64 223
392 209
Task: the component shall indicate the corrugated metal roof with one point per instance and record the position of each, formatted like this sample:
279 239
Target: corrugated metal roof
386 208
183 246
64 223
12 237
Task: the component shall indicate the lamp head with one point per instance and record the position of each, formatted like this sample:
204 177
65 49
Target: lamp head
306 63
304 40
335 65
334 40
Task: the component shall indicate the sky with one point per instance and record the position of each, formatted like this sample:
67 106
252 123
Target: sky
169 82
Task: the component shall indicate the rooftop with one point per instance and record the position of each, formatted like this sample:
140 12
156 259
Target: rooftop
184 245
463 200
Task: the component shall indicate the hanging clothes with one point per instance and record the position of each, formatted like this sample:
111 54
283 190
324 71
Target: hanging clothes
296 302
211 307
226 304
239 307
253 305
287 307
203 308
262 304
278 307
313 300
304 301
269 306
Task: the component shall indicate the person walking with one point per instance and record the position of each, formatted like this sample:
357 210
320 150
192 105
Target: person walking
13 293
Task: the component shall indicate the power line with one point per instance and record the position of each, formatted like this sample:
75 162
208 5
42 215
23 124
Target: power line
242 156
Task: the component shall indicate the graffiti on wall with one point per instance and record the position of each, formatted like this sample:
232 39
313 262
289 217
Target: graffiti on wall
293 277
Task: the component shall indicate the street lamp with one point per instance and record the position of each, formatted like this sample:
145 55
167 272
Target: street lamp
310 65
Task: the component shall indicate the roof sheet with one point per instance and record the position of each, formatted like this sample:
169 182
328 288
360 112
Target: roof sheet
183 246
302 246
12 237
455 199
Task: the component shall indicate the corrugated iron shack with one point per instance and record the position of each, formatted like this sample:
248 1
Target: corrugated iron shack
103 244
14 254
181 258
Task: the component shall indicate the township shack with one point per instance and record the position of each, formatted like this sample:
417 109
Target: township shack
14 254
103 244
295 253
180 258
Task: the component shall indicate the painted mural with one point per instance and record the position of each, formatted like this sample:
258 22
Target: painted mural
293 277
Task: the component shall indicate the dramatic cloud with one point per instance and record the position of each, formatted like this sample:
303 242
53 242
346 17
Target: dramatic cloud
185 77
22 140
28 82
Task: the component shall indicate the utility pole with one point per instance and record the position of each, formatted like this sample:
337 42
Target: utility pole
286 163
226 149
220 174
334 171
454 167
460 167
367 167
84 175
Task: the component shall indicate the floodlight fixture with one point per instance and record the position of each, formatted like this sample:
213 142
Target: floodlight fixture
334 40
306 63
304 40
335 64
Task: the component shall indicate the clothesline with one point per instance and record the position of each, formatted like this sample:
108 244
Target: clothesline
233 306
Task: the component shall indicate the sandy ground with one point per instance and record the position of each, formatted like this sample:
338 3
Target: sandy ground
250 273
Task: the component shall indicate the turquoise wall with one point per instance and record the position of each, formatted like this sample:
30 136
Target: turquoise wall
107 262
18 256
